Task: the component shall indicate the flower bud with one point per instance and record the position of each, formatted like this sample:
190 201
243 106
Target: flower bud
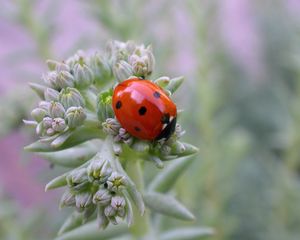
83 76
68 199
99 170
102 197
118 203
111 126
64 79
123 136
61 66
38 114
116 182
83 200
50 79
44 105
109 211
51 95
71 97
142 61
76 177
162 81
58 124
178 131
100 68
58 66
50 131
104 107
56 110
75 116
47 122
122 71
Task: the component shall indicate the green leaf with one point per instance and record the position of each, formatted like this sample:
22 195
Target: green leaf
90 231
74 156
167 205
187 233
78 136
174 84
189 149
61 139
38 89
166 179
57 182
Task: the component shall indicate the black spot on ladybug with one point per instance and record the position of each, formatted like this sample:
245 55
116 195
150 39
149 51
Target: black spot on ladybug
168 130
137 129
118 104
165 118
142 110
156 94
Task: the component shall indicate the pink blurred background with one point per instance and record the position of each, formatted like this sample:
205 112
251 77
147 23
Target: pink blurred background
21 61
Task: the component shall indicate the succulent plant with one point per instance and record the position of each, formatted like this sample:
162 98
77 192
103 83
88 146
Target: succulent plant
76 127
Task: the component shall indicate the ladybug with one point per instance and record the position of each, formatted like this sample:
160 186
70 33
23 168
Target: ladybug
144 110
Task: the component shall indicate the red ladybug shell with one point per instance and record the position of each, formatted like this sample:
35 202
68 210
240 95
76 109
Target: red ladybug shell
144 110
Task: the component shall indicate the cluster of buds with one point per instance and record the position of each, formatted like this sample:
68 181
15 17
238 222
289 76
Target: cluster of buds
129 59
59 112
97 187
112 127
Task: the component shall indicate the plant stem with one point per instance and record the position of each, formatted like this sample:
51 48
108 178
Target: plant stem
141 225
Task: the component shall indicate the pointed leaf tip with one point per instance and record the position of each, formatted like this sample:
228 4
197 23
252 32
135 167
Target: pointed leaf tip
167 205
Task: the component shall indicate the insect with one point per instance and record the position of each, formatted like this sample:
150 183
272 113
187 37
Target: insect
144 109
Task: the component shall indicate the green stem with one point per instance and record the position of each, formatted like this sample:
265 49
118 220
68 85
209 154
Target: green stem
141 225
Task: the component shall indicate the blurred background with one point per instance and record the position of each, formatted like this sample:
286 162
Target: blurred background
241 60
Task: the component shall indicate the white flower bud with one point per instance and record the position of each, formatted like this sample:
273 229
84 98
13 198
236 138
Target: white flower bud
68 199
109 211
47 122
76 177
44 105
56 110
118 202
111 126
38 114
75 116
122 71
58 124
50 131
64 79
83 76
83 200
116 182
102 197
51 95
71 97
100 68
99 170
58 66
50 79
142 61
